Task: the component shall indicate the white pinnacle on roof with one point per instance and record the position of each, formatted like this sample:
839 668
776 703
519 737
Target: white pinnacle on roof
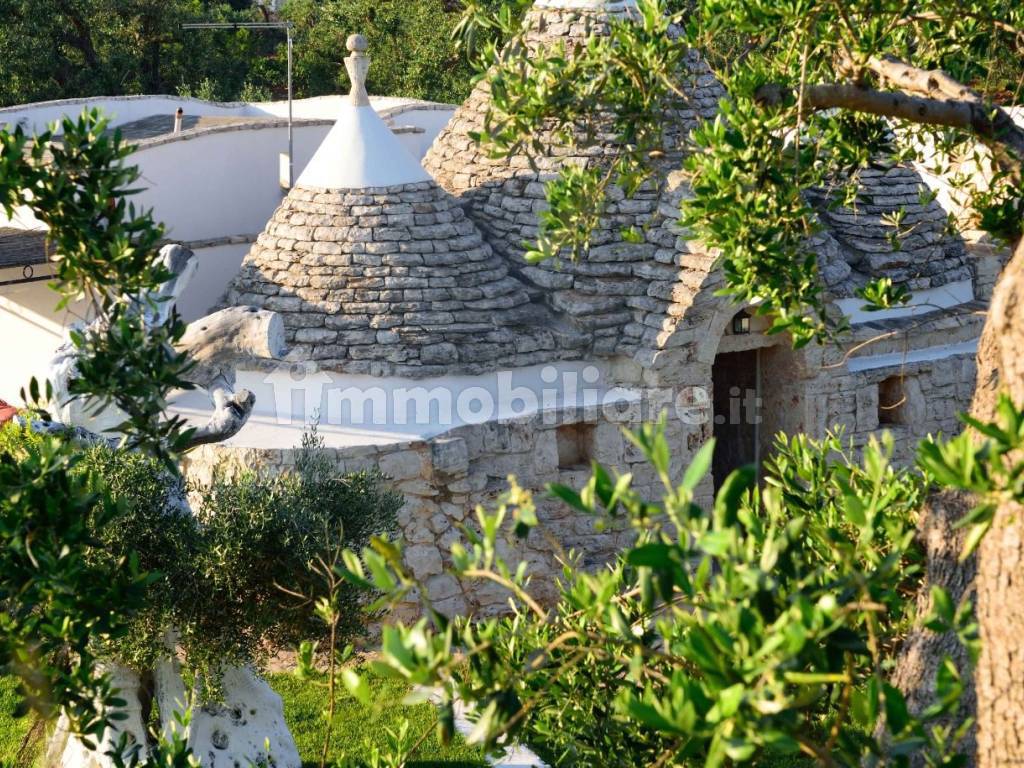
360 151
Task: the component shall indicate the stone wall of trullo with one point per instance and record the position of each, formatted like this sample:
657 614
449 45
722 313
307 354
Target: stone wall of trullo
443 480
932 392
924 367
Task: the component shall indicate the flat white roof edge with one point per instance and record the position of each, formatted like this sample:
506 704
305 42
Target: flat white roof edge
362 410
921 302
927 354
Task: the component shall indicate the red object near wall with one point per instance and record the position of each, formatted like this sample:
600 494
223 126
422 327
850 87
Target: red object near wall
7 412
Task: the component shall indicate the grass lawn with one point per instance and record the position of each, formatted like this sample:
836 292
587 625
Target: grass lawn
357 729
13 730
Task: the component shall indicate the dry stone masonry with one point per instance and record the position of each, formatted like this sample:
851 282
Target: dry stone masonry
893 229
445 478
503 195
392 280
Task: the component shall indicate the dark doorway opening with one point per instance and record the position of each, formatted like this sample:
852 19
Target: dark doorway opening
736 384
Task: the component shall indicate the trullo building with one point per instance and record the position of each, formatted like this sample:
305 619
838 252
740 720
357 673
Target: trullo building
424 344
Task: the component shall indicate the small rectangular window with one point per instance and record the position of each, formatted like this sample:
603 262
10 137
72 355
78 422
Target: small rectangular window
891 401
575 445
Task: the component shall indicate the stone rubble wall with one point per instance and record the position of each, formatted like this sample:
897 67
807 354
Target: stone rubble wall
811 390
936 392
821 392
988 259
445 478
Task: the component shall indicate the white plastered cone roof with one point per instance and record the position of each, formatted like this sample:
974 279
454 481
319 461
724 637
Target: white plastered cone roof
360 151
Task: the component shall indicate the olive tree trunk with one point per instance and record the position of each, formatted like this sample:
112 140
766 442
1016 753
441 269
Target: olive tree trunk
248 725
999 678
993 577
924 650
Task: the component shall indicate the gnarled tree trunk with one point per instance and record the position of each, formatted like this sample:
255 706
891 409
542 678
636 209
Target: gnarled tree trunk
248 726
993 576
924 650
999 678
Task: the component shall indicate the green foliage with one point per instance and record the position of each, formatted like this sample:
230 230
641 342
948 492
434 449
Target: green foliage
757 213
260 534
75 181
221 572
761 628
365 730
205 90
987 467
86 529
20 737
410 44
361 729
65 596
57 50
882 294
252 92
79 186
59 591
621 78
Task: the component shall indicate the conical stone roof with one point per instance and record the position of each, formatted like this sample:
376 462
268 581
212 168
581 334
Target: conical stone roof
377 270
467 169
861 241
503 194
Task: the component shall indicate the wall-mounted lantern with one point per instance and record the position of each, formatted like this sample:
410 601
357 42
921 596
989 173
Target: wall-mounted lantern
741 323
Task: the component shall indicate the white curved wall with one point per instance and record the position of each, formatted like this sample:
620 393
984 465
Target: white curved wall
34 118
32 330
220 183
214 184
225 181
430 119
217 265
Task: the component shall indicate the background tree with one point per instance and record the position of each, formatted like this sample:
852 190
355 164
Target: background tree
103 558
55 49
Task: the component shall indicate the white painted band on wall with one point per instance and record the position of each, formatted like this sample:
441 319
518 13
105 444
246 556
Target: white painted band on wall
913 356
